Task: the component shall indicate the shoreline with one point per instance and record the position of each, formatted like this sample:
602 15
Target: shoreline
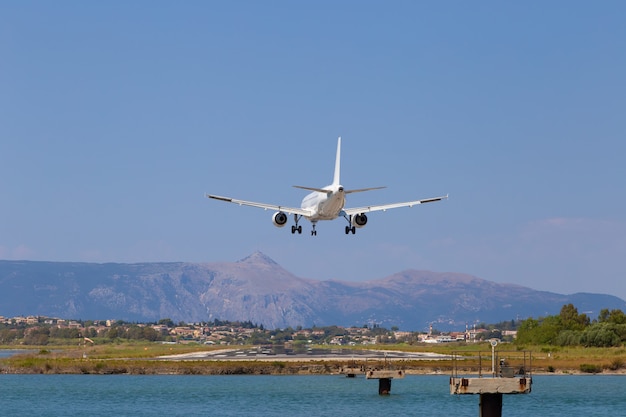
146 360
319 366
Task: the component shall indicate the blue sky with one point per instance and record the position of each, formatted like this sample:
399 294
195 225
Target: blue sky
116 119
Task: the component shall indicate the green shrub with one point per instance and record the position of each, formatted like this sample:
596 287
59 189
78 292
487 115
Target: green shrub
590 368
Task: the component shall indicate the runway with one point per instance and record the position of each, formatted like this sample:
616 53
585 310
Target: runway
274 354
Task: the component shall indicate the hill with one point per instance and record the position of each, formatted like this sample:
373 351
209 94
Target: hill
257 289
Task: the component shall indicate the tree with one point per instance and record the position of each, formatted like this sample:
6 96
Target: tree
569 338
148 333
600 335
571 320
167 322
64 333
7 336
615 316
113 333
539 332
37 336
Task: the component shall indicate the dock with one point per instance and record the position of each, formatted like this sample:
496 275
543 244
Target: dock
491 375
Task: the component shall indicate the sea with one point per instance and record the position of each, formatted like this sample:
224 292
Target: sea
324 395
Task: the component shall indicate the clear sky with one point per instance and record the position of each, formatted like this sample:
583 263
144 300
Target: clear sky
116 118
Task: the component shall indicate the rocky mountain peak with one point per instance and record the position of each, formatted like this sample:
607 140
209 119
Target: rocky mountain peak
258 258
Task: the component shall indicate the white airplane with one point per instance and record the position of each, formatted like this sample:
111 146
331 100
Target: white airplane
325 204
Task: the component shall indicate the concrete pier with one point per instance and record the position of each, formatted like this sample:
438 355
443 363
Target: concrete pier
352 371
511 376
384 377
497 385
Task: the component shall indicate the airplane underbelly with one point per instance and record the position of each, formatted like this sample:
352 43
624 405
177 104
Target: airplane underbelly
330 209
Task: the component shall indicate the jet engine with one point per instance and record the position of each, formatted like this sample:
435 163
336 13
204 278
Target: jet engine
359 220
279 219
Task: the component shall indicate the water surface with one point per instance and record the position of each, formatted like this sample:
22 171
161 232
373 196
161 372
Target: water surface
175 395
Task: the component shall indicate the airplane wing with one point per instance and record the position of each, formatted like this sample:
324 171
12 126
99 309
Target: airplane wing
385 207
290 210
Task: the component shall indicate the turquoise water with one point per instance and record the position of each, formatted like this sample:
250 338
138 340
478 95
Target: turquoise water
5 353
125 395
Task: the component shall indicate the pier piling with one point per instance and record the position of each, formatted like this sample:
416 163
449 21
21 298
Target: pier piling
490 405
384 379
384 386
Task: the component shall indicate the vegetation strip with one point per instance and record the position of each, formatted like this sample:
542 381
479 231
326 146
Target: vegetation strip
565 343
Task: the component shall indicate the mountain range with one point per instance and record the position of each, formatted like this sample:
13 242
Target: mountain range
259 290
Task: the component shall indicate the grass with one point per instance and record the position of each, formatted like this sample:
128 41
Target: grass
138 358
142 350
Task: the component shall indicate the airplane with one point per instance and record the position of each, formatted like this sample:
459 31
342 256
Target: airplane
325 203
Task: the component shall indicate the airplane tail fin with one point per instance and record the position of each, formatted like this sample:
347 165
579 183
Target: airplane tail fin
336 180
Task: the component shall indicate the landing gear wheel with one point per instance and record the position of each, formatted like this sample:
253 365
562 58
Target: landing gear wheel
295 228
353 229
347 230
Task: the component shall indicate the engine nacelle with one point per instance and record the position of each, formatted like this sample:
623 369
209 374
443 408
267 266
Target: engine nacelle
279 219
359 220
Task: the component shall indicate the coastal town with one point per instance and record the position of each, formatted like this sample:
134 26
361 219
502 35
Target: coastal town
41 330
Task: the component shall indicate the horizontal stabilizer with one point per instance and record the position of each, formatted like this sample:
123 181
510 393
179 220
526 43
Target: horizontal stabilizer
319 190
363 189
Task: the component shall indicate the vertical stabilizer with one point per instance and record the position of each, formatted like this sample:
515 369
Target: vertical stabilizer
337 163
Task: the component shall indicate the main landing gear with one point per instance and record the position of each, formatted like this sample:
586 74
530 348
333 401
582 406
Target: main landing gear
296 228
349 228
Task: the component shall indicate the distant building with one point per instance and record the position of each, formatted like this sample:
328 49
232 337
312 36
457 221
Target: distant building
512 333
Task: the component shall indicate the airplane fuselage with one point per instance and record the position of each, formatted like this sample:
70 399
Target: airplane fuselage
324 206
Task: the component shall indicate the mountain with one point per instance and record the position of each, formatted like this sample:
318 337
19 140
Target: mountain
259 290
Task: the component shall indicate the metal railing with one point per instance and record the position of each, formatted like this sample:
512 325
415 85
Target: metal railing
494 364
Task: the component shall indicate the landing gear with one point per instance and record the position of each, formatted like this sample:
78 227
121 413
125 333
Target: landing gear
313 232
296 228
349 228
